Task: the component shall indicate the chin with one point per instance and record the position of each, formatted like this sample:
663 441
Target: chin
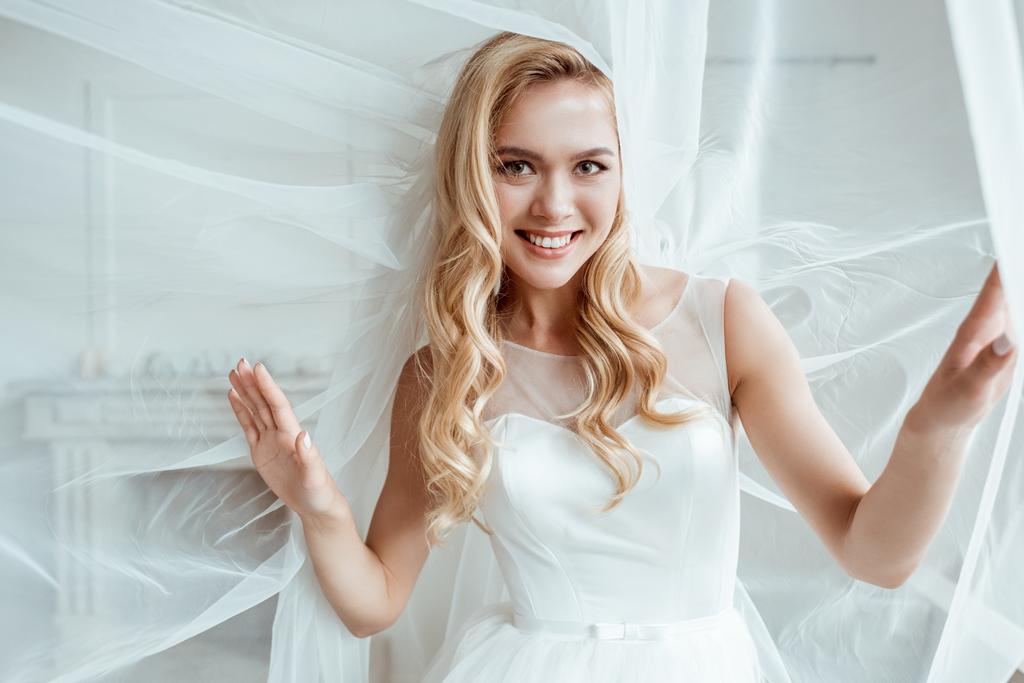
553 281
545 275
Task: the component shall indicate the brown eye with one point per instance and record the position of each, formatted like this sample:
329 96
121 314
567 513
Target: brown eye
598 167
507 168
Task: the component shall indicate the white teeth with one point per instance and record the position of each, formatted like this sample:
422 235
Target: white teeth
548 242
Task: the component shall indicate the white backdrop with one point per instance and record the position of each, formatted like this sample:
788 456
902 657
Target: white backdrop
185 183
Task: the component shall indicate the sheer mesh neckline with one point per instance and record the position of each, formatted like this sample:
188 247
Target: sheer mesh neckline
675 309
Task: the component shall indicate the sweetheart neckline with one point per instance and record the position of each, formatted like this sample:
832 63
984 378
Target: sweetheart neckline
627 422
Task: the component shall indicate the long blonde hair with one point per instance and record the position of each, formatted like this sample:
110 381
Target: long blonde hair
464 282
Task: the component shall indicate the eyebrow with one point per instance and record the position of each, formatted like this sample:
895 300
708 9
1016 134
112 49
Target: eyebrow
528 154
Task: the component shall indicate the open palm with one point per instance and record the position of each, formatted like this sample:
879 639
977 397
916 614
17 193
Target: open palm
293 471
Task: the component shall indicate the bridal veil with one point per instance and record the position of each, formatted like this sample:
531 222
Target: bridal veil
188 182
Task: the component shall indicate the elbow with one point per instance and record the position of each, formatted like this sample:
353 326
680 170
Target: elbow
373 624
367 630
360 632
891 580
869 568
364 632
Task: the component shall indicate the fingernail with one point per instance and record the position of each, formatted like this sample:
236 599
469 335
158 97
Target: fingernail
1002 345
245 362
306 440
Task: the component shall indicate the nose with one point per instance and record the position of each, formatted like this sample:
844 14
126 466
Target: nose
554 201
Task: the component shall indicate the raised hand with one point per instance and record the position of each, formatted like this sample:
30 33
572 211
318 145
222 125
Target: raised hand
289 464
972 376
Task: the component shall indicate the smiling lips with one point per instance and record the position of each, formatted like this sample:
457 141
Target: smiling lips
548 251
548 234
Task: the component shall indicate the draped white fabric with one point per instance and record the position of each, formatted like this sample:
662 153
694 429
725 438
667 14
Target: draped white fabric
185 183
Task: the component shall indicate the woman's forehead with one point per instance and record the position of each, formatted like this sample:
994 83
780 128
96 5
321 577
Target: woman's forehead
558 119
563 99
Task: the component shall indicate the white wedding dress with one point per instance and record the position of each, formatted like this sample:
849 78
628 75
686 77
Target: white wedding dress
189 182
645 591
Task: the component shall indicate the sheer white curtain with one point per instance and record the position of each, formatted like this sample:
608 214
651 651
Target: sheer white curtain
185 183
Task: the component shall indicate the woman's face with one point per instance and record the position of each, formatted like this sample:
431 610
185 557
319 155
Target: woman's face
559 175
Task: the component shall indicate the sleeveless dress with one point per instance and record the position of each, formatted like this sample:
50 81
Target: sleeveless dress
644 592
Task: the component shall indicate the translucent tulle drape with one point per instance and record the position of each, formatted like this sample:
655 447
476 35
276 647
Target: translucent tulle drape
185 183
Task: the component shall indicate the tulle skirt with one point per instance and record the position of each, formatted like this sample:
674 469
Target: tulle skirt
495 647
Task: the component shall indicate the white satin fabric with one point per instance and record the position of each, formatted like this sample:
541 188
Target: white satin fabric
659 567
189 181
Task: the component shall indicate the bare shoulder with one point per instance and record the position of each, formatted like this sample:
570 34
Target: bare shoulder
421 355
417 371
754 336
411 392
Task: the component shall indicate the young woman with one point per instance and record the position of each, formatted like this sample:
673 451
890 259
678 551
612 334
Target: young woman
587 406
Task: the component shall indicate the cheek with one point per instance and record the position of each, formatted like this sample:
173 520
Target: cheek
510 202
600 202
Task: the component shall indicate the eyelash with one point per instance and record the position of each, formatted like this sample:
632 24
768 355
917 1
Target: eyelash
504 170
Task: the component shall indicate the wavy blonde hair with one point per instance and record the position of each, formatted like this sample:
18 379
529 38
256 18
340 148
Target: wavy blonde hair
464 285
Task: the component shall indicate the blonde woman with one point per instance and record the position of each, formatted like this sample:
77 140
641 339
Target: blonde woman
582 409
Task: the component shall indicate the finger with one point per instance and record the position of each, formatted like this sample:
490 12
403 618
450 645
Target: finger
303 445
1010 331
987 317
279 404
244 415
993 360
242 395
254 395
311 466
990 304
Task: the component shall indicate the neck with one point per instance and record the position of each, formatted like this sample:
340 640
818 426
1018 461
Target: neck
542 315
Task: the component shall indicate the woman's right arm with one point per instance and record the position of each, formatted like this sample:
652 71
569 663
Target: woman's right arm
383 571
367 584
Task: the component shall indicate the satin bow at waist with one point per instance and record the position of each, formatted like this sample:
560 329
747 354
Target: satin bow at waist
620 630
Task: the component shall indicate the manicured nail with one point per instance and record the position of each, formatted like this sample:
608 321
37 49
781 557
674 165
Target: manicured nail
245 362
306 440
1002 345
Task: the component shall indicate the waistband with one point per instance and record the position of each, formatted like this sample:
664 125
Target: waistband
621 630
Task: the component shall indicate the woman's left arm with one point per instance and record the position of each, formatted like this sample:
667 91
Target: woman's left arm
877 533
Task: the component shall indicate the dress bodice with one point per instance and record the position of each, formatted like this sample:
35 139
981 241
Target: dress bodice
669 550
